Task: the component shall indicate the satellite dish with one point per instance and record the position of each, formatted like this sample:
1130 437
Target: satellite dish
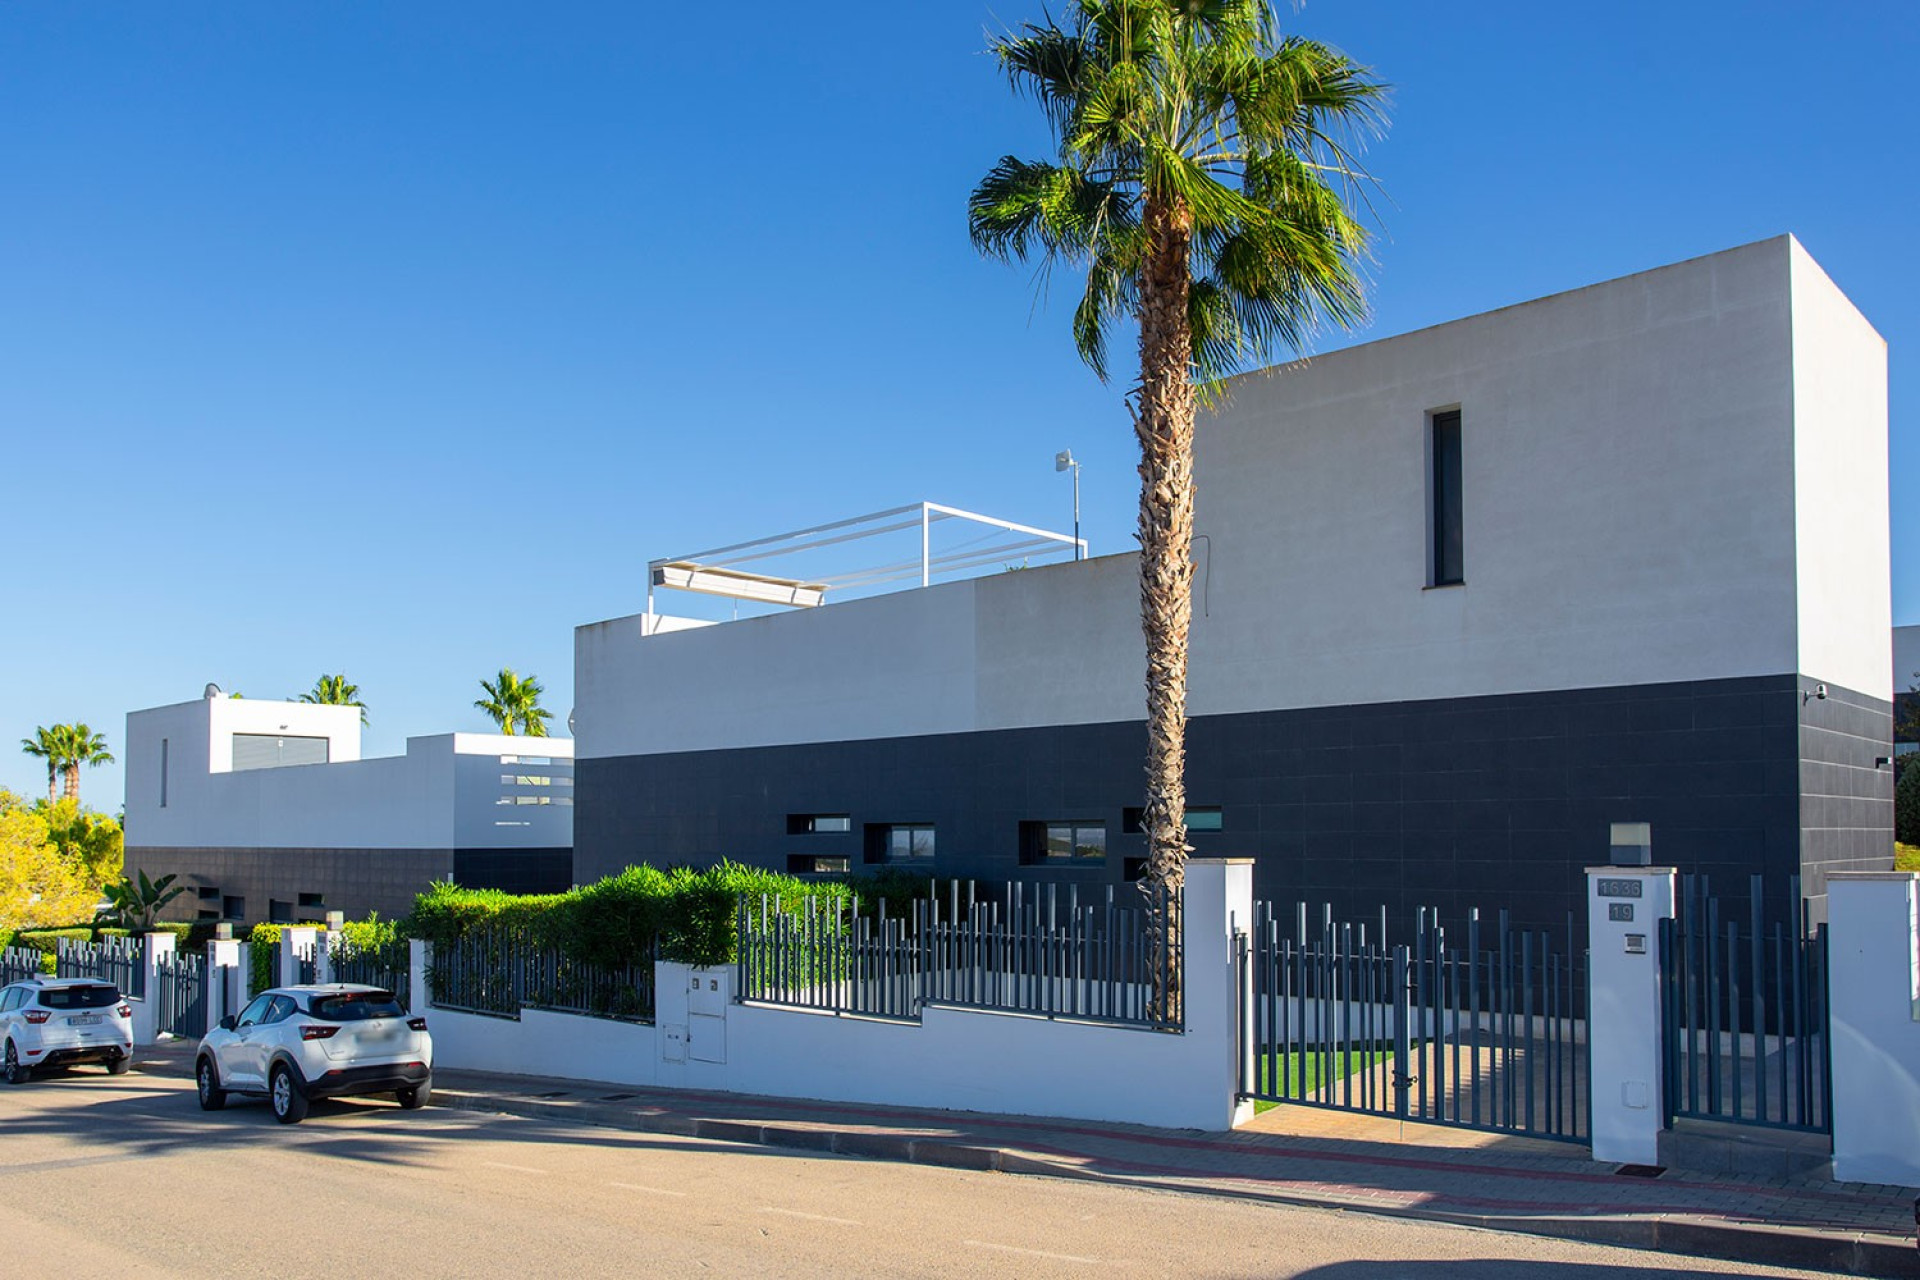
570 720
212 690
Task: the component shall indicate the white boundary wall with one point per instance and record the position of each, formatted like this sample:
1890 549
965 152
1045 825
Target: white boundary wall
956 1059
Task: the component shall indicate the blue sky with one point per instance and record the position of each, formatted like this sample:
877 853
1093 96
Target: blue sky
395 338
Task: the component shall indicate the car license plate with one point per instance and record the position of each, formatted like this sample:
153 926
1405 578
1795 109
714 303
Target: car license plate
85 1020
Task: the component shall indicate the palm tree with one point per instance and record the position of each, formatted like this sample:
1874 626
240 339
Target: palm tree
82 746
334 691
512 701
1205 166
49 745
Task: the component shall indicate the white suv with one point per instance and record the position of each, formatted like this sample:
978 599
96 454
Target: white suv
55 1022
295 1044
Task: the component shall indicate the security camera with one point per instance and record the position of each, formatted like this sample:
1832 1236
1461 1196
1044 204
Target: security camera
1820 691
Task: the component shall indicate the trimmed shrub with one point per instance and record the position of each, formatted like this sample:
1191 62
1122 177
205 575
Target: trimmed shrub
1906 806
681 915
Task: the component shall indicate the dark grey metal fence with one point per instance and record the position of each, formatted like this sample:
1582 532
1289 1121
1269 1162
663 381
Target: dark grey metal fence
121 961
500 971
1483 1027
1033 949
181 1000
306 962
388 965
19 963
1745 1010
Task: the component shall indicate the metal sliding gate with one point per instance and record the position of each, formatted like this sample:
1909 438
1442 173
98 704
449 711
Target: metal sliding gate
182 996
1482 1027
1745 1012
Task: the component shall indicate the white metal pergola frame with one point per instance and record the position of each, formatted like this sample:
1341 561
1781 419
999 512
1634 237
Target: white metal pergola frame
718 571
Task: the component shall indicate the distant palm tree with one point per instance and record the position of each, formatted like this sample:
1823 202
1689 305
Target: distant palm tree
514 703
334 691
65 747
49 745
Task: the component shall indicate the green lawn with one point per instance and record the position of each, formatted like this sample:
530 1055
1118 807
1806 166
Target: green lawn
1906 857
1294 1074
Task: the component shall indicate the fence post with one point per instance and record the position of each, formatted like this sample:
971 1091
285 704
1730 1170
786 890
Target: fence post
293 940
1625 905
243 977
223 964
1873 942
146 1013
419 958
1218 904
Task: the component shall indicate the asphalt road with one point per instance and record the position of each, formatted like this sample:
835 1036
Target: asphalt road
126 1177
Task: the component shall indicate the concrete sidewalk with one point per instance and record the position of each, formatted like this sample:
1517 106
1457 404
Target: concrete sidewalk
1291 1155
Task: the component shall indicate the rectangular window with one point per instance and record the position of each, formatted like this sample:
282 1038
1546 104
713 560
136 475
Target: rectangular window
811 864
233 908
209 893
279 912
163 773
814 824
899 842
1200 817
312 899
1067 843
1446 560
276 751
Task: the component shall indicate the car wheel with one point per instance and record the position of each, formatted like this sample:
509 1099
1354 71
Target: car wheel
289 1104
121 1065
11 1068
415 1098
212 1096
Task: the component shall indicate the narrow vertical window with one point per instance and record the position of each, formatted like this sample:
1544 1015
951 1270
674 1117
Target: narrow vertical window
163 773
1447 565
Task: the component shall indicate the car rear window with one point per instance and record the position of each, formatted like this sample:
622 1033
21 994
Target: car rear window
78 997
358 1006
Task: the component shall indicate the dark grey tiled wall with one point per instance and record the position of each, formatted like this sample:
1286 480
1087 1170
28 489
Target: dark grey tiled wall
355 881
1496 802
1846 803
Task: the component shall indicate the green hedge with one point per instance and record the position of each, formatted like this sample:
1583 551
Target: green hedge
264 939
616 921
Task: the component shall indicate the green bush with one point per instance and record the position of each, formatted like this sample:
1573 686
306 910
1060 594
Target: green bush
617 921
1906 807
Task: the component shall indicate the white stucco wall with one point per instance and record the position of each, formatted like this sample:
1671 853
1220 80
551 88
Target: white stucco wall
1840 475
1873 935
1631 516
960 1059
442 794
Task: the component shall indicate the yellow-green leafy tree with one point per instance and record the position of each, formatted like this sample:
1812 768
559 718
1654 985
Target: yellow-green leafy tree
39 887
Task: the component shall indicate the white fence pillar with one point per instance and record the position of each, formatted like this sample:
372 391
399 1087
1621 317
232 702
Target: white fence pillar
294 941
324 948
1218 906
1625 906
146 1012
243 992
225 979
1873 981
419 959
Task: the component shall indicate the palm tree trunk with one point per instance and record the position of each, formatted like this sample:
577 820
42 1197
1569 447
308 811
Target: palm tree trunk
1163 421
53 774
71 790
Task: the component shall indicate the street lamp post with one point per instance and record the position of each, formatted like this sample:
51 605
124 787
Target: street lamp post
1063 461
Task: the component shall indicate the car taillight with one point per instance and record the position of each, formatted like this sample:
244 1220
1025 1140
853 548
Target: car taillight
125 1011
37 1016
417 1024
312 1032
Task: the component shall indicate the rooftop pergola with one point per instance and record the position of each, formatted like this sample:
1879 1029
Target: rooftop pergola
723 571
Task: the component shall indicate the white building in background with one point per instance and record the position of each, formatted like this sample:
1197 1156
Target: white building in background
267 812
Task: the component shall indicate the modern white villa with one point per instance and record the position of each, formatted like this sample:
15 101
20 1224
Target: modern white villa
268 813
1465 597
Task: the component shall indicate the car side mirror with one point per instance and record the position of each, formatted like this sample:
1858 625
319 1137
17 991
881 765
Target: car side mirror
228 1023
